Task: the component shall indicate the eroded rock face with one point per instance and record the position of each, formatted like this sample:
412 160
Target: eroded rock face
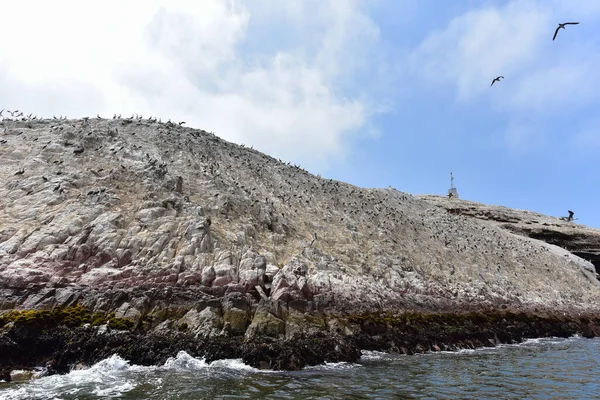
578 239
177 229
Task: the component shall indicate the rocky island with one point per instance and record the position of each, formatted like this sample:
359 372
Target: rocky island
143 238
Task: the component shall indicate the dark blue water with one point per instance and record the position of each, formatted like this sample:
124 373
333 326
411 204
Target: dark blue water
536 369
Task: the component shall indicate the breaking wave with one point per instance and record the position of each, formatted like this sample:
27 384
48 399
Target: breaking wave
536 368
115 376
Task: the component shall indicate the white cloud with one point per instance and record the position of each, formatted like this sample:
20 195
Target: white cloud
543 78
566 85
189 61
482 44
513 40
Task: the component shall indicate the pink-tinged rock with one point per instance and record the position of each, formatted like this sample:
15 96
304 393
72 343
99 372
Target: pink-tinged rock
288 294
208 276
56 280
125 258
82 254
225 273
252 271
126 273
235 288
99 275
222 281
20 277
102 258
250 278
279 283
187 279
172 278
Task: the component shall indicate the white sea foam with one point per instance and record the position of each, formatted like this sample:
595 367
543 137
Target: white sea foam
104 378
115 376
525 343
531 341
373 355
236 364
115 390
110 377
184 361
112 363
333 366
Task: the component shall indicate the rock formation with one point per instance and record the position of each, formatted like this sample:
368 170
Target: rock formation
177 230
578 239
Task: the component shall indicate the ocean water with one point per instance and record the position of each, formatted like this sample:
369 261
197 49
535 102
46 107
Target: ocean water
550 368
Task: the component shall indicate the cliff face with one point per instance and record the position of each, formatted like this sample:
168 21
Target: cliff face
578 239
164 223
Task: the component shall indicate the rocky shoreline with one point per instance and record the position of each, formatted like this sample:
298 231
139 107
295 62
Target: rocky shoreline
142 238
58 348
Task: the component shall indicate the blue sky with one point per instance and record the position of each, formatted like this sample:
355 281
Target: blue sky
376 93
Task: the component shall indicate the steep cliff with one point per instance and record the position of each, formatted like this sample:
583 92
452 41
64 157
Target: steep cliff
175 229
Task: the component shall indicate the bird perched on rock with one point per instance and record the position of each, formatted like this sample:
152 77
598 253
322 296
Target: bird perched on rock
570 217
496 79
562 26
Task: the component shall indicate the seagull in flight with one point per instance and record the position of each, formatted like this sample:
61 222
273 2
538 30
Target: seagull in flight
496 79
562 26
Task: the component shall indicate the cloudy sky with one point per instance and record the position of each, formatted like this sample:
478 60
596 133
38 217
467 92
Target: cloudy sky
376 93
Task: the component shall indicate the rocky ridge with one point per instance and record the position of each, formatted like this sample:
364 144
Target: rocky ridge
178 230
576 238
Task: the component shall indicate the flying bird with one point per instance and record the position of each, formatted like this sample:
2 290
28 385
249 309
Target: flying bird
562 26
497 79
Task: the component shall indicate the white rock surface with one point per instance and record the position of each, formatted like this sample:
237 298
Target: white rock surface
170 216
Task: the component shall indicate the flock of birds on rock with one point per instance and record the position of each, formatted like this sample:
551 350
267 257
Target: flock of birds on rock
560 26
17 115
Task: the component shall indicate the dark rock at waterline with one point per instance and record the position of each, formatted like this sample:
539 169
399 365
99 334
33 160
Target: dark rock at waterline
85 346
298 352
61 348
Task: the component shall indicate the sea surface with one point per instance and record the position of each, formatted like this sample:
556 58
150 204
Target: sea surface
536 369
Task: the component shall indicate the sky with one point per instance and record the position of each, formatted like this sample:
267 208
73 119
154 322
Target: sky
375 93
